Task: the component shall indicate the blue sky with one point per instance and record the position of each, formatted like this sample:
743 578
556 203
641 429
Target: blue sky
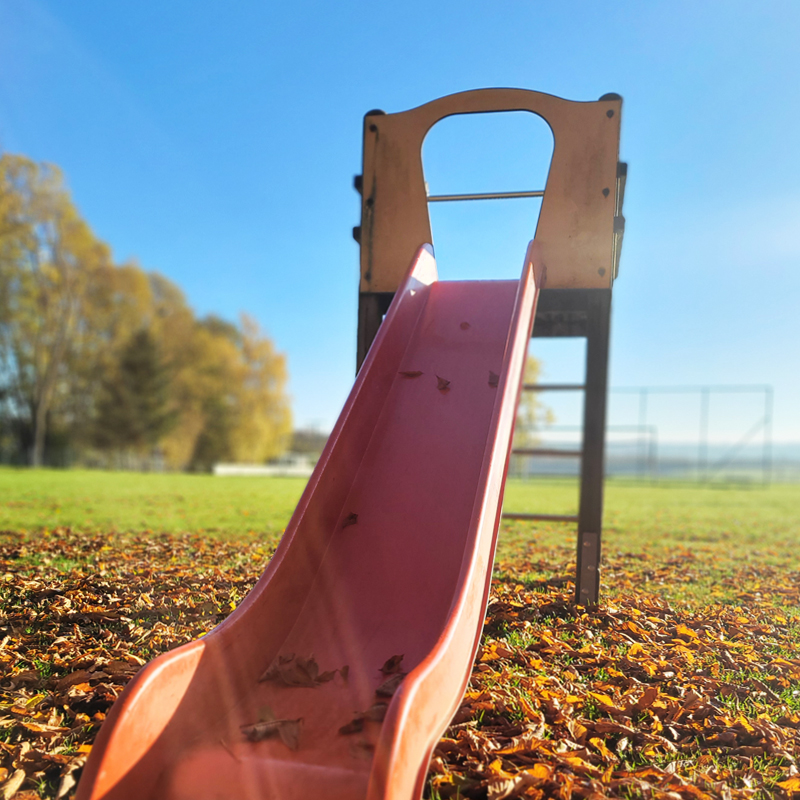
216 142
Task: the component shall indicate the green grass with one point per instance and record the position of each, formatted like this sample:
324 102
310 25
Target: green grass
670 516
683 542
89 500
712 529
665 517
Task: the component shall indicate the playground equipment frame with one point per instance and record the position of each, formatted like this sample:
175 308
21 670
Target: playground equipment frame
579 233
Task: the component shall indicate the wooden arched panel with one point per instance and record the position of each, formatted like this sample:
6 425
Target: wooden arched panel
576 222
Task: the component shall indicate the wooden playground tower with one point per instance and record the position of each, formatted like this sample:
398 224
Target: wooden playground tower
579 236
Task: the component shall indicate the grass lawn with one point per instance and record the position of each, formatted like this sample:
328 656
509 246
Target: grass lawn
683 684
91 500
723 526
723 529
636 515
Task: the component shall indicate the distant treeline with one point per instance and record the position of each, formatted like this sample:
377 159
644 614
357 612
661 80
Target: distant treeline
106 363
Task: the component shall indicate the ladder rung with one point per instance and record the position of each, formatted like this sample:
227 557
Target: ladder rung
541 517
540 451
446 198
554 387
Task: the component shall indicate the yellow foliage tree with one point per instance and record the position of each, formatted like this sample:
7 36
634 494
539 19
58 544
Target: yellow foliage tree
68 314
532 412
49 257
264 421
230 386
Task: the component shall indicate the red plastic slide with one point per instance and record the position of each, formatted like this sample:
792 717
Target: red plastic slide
342 668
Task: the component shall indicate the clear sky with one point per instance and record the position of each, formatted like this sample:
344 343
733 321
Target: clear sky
216 142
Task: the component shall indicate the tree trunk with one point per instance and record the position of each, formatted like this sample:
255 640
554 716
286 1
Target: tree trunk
44 397
49 378
39 431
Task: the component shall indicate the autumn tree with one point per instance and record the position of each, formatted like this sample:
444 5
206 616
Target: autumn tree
264 420
532 413
48 256
233 394
133 412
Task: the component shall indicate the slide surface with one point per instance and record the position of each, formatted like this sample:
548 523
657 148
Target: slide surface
302 691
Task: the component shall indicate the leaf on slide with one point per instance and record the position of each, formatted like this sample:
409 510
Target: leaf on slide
345 672
410 373
392 665
376 712
297 671
354 726
389 686
494 379
287 729
350 519
363 749
464 326
266 714
442 384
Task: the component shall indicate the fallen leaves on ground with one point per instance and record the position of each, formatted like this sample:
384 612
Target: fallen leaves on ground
79 615
634 699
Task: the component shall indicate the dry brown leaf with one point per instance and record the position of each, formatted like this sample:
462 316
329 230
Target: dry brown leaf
390 685
297 671
646 700
11 786
376 712
68 780
415 373
442 384
350 519
354 726
392 665
288 730
362 749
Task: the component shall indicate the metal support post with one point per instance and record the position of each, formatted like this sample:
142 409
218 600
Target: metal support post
372 306
590 513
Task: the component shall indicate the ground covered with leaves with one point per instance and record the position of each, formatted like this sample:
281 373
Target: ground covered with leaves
651 695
